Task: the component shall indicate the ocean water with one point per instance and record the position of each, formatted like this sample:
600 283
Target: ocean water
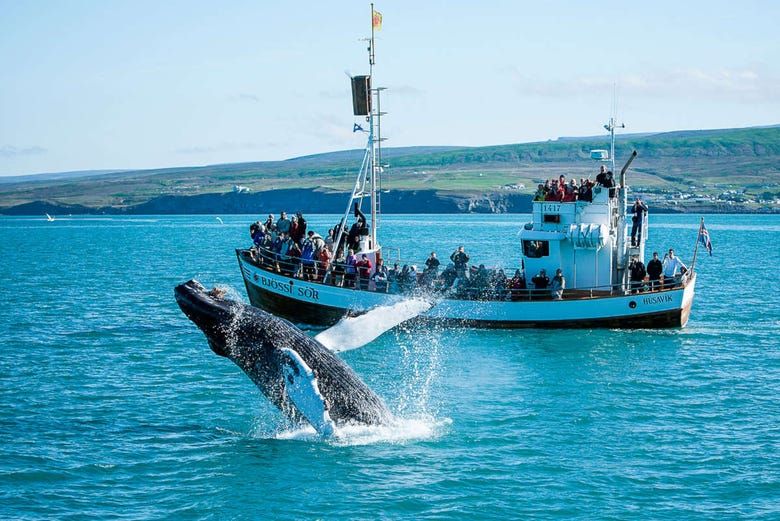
113 406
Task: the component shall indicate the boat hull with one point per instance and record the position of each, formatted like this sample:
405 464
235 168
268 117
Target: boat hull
319 304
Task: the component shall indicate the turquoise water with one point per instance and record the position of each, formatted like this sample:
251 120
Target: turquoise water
112 405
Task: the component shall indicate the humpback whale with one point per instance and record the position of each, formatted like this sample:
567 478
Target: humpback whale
298 374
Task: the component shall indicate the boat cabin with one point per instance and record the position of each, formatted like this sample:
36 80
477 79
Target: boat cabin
580 238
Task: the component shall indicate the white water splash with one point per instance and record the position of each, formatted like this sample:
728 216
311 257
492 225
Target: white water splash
398 431
353 332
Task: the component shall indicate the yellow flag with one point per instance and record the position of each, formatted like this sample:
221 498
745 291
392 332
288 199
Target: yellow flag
376 20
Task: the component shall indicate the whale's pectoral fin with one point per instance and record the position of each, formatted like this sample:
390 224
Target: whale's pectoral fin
353 332
302 389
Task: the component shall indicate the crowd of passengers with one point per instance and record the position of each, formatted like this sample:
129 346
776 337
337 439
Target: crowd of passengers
564 191
287 247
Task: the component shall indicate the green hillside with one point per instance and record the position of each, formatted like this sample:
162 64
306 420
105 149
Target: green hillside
745 161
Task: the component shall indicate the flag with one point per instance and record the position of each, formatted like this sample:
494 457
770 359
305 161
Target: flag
704 238
376 20
356 128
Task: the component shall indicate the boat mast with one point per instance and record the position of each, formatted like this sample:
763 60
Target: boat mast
620 254
374 137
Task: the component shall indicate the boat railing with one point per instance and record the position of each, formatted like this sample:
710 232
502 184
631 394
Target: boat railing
464 288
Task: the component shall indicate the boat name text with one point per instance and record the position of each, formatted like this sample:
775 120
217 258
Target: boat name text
657 299
281 287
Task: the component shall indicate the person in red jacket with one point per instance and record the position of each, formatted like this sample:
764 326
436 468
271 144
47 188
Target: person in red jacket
364 271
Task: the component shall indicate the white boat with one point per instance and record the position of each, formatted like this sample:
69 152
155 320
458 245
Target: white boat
588 240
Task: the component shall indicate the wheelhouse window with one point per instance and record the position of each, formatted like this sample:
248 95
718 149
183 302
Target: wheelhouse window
536 249
552 218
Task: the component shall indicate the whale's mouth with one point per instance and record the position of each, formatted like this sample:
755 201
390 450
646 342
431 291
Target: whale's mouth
207 309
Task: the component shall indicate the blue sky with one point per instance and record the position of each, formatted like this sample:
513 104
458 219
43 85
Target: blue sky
143 84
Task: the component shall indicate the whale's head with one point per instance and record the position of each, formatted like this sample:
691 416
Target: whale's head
211 312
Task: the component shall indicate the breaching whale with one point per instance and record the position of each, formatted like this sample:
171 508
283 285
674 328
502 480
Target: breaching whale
299 375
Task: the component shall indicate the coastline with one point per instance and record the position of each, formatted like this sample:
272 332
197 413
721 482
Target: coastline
317 201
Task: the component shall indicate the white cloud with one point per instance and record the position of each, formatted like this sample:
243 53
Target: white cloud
749 84
11 151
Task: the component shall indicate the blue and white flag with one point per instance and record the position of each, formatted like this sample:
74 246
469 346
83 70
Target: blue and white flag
704 238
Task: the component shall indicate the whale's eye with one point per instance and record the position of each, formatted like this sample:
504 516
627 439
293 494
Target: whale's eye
290 379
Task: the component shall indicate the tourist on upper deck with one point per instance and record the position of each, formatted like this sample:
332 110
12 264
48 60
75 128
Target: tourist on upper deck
283 224
585 190
639 210
558 284
541 280
380 276
605 177
460 259
364 271
257 232
672 265
637 272
540 193
570 192
654 270
555 193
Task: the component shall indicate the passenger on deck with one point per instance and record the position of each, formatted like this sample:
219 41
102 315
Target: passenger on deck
605 178
672 266
432 265
585 190
257 231
540 193
500 283
516 285
316 240
350 270
364 271
283 224
324 257
541 281
637 272
558 284
555 193
300 230
654 270
308 259
570 192
639 210
380 276
329 240
448 277
392 278
460 259
293 258
339 270
270 226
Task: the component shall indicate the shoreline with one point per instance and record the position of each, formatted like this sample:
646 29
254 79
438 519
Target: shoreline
320 202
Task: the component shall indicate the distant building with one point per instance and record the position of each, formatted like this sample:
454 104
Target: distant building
241 189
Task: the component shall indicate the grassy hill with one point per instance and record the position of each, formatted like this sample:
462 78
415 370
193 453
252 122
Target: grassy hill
744 161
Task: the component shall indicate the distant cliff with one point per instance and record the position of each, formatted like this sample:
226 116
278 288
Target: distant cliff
293 200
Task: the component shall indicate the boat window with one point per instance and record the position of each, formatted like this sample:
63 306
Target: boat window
552 218
536 249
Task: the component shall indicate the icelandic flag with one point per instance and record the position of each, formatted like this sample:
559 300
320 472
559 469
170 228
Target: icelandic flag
357 128
704 238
